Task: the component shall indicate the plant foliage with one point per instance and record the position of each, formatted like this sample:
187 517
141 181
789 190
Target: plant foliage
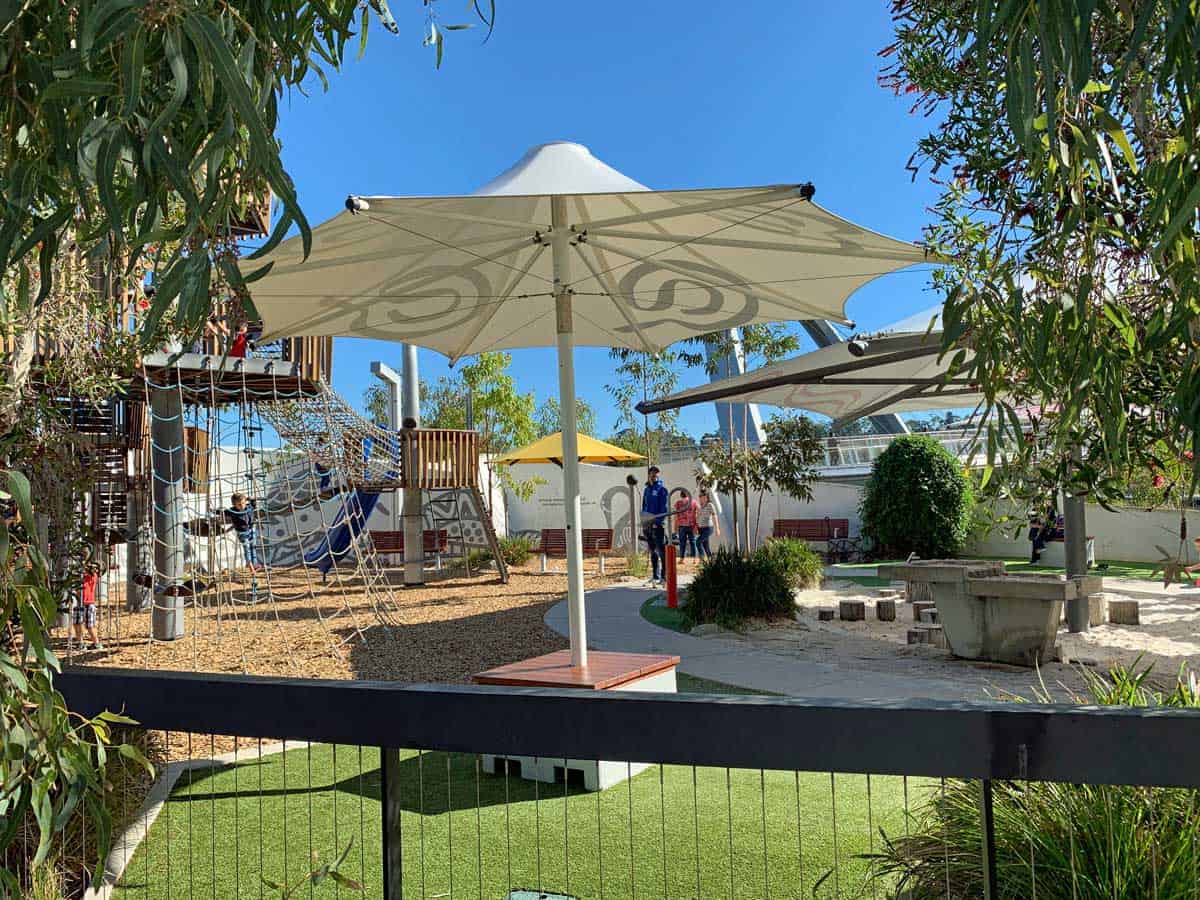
799 563
1065 145
1057 840
917 500
731 588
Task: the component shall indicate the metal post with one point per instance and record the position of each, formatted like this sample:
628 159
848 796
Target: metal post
393 846
988 848
635 515
393 381
1075 550
414 522
560 245
168 465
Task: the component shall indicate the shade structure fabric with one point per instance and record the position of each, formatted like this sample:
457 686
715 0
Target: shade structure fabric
462 275
550 450
562 250
901 370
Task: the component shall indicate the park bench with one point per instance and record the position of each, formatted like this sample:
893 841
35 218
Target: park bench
827 531
596 542
434 543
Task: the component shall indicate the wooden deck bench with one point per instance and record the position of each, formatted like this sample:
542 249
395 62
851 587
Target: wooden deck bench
596 542
825 529
434 543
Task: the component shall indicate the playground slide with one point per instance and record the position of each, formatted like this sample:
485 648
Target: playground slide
346 527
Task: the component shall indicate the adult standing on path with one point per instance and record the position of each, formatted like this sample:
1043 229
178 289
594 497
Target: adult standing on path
708 524
655 498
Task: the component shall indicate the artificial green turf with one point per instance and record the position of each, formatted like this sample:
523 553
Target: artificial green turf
639 838
691 684
664 616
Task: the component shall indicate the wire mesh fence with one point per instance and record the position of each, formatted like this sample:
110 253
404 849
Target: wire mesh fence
863 812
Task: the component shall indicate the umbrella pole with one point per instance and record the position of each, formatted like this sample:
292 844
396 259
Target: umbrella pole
560 245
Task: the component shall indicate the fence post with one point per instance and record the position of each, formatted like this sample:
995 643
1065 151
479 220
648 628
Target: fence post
988 848
393 850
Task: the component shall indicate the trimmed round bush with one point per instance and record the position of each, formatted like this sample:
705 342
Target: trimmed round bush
917 500
798 562
731 588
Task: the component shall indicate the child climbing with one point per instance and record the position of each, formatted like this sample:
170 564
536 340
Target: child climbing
240 515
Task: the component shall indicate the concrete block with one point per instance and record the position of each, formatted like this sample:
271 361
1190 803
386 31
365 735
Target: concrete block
1097 609
918 606
825 614
929 616
913 636
1123 612
934 636
885 610
852 610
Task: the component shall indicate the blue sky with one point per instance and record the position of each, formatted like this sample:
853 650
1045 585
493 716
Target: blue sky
674 94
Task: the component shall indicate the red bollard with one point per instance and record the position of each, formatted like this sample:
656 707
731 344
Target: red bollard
672 582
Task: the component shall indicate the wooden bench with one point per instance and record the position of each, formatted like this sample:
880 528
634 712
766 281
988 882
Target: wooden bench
596 542
434 543
825 529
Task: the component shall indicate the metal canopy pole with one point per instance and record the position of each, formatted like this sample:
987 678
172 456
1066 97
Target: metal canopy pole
560 247
414 522
391 378
1075 550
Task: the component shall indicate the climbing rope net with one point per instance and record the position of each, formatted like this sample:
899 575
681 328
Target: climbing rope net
279 589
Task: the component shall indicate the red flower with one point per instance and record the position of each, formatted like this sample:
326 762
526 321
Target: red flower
1187 454
143 304
1159 481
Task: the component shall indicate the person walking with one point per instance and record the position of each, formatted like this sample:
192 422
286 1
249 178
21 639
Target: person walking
685 522
708 524
654 517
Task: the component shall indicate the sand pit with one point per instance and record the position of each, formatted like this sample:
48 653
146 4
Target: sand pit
1168 637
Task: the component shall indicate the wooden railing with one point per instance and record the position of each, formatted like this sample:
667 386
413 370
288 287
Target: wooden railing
440 458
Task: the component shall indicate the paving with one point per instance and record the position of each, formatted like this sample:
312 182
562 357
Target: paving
848 668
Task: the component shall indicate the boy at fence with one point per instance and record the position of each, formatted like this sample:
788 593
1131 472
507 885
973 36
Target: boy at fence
241 516
84 615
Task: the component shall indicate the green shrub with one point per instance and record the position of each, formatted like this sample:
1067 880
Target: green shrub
730 588
798 562
1056 841
638 566
517 548
917 500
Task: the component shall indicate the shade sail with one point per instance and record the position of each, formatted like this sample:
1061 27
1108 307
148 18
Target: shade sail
550 450
901 370
463 275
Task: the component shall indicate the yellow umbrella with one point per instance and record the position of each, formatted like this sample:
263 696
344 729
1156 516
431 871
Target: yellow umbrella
550 449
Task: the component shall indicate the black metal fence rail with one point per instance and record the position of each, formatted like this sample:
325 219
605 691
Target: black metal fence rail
1038 742
749 796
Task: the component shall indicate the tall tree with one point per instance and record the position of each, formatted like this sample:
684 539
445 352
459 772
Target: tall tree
503 415
134 135
1065 146
548 417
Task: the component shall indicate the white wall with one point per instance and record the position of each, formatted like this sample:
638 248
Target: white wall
1124 533
605 504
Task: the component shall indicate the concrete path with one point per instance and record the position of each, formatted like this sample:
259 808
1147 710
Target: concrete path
614 622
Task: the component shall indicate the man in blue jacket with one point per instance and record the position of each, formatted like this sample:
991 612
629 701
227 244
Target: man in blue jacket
654 516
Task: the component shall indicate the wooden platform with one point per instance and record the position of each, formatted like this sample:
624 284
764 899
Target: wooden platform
199 375
604 672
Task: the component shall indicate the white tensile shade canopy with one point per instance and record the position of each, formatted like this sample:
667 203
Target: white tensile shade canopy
563 250
900 369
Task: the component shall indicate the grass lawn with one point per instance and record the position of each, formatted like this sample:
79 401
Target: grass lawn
664 616
461 838
468 834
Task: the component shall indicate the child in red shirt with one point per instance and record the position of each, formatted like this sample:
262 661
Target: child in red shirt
85 609
685 521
